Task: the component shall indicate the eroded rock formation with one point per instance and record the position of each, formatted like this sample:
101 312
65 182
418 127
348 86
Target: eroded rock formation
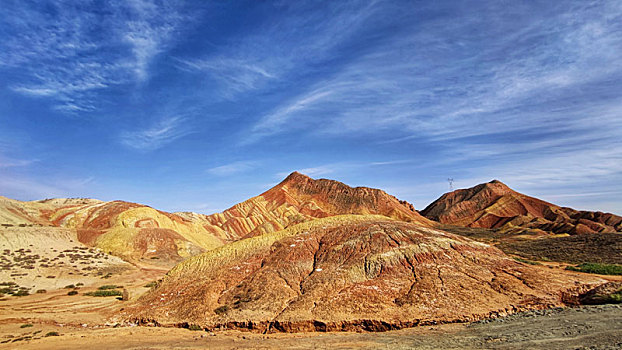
495 205
300 198
349 273
134 231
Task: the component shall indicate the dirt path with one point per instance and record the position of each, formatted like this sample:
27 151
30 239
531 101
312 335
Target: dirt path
595 327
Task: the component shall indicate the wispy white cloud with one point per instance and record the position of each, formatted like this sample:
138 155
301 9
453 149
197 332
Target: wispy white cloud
532 101
7 162
281 48
273 123
233 168
26 189
235 75
584 194
317 171
341 167
32 188
155 136
68 53
503 86
149 31
391 162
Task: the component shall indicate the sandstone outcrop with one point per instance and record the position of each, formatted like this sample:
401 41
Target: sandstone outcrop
495 205
300 198
608 293
349 273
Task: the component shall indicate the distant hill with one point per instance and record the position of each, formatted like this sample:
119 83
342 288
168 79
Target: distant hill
132 231
137 232
495 205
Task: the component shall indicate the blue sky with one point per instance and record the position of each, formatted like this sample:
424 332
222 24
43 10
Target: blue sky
198 105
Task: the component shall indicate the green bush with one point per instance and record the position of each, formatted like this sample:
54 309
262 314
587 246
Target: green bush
72 292
104 293
195 327
109 286
616 297
70 286
52 334
26 325
21 293
221 310
600 269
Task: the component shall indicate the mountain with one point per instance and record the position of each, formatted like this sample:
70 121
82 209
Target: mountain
348 273
35 213
139 233
299 198
132 231
495 205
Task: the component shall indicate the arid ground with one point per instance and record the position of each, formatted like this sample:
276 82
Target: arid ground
88 322
587 327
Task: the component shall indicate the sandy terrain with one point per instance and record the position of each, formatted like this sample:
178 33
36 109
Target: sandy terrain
595 327
49 258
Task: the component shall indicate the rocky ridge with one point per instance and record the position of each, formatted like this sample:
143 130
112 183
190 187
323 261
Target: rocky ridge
299 198
495 205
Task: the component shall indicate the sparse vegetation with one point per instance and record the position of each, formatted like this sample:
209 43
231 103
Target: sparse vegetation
21 293
221 310
41 291
109 286
240 299
195 327
600 269
151 284
616 297
104 293
603 248
12 288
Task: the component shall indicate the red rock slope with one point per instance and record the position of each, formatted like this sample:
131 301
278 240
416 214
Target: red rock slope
300 198
348 273
138 232
495 205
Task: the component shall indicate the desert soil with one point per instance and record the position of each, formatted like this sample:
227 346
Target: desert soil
587 327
